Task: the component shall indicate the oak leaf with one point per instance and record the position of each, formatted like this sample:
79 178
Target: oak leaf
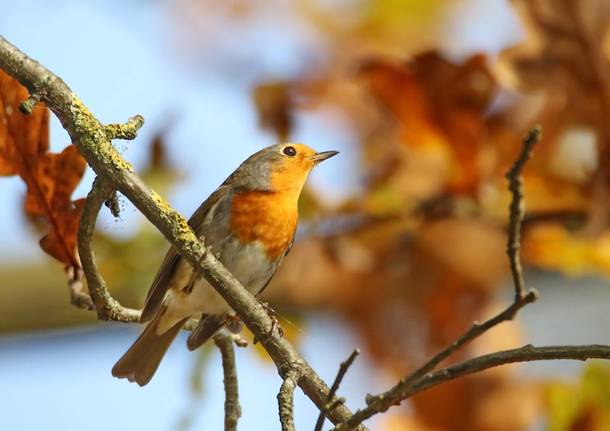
50 178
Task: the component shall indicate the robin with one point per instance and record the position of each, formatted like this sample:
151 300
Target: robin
249 222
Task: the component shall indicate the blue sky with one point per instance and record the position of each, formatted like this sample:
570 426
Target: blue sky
117 56
61 381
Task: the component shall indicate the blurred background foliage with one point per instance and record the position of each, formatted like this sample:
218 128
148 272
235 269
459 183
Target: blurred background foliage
415 251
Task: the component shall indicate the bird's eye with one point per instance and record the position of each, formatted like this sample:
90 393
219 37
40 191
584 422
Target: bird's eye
290 151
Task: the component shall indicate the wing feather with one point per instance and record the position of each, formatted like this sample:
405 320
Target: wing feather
162 281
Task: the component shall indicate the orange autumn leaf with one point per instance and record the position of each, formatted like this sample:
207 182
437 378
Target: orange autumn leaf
554 247
440 108
50 178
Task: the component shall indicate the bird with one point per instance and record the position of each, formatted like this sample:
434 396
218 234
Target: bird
249 223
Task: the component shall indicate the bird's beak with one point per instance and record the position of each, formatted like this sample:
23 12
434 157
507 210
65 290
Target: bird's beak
320 157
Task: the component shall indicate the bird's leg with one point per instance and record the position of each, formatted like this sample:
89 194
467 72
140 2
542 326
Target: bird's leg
275 323
207 250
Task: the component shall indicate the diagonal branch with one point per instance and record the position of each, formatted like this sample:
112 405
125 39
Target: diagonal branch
476 330
403 388
523 354
380 403
232 407
526 353
90 137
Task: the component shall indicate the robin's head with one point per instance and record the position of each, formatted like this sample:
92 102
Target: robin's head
282 167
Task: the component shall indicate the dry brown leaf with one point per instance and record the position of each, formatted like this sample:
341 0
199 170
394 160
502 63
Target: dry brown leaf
274 106
50 178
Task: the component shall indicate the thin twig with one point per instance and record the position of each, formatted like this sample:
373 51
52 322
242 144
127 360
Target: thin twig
91 139
475 365
516 214
78 297
381 402
27 106
526 353
476 330
106 306
285 399
335 386
128 130
232 407
517 210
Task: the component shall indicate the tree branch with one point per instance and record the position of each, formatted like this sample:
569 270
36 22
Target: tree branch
517 210
27 106
527 353
78 297
382 402
476 330
232 407
127 131
331 404
285 399
106 306
92 140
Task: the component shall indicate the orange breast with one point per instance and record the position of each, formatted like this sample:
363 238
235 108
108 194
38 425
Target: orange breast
268 217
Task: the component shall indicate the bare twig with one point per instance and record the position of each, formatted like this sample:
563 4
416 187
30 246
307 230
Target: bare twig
517 210
526 353
476 330
232 407
331 404
128 130
78 297
523 354
382 402
285 399
92 140
27 106
106 306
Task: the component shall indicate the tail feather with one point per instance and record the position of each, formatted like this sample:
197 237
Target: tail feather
207 327
142 359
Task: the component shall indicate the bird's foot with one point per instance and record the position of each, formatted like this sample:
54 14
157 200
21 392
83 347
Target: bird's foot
275 323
